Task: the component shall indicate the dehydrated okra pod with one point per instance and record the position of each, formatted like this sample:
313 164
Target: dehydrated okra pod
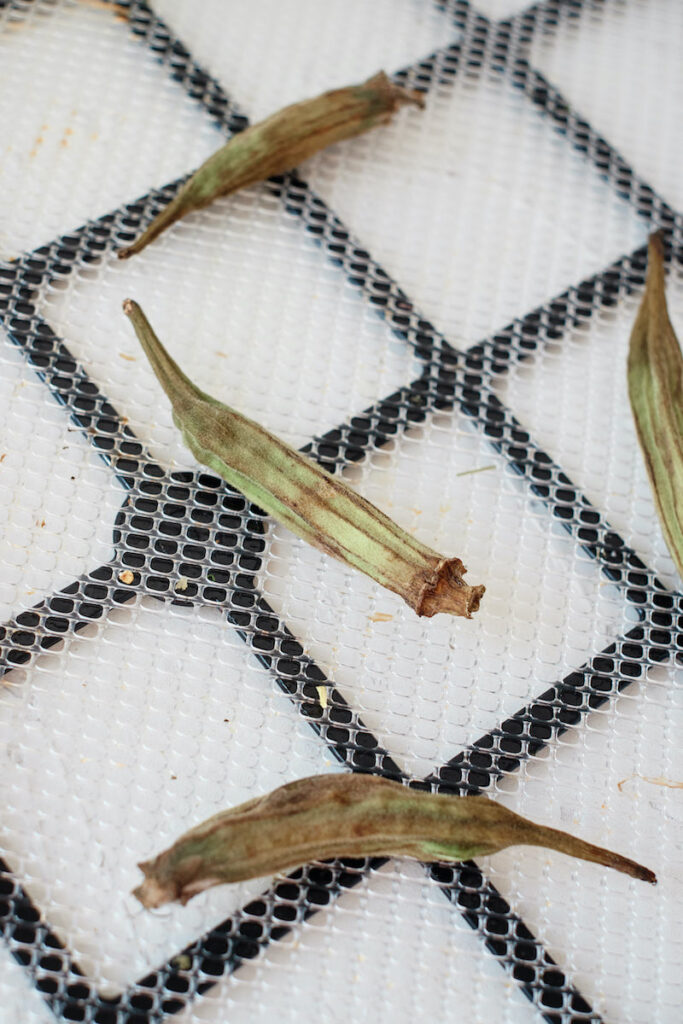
280 143
655 386
348 815
312 503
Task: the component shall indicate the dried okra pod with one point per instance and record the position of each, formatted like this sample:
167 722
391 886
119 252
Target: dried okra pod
348 815
655 386
280 143
316 506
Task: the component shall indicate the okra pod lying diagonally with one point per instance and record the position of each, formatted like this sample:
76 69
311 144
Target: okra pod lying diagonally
312 503
280 143
348 815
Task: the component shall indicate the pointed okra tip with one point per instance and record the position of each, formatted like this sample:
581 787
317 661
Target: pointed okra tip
655 243
137 246
140 323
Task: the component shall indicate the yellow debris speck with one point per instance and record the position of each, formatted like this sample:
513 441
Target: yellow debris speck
124 355
381 617
182 583
322 695
126 576
182 962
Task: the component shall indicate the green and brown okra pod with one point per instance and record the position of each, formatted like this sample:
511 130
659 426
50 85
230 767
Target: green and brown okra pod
655 387
312 503
280 143
348 815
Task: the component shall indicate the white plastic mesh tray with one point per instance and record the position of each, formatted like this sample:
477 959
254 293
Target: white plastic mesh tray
324 306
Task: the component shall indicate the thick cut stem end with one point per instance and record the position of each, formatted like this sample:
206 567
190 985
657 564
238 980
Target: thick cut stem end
407 96
152 892
169 879
448 592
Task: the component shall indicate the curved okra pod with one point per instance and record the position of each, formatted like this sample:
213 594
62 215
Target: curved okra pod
348 815
280 143
655 386
316 506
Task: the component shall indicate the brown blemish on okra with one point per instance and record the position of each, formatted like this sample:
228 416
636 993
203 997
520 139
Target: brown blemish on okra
347 815
280 143
312 503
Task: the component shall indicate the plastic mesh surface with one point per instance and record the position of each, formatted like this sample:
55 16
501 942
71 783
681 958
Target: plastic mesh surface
440 312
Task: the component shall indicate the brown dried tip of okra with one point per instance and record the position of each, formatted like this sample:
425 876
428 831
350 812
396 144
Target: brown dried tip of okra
312 503
280 143
655 386
348 815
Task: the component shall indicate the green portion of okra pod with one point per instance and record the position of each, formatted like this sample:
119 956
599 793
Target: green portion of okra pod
280 143
348 815
312 503
655 386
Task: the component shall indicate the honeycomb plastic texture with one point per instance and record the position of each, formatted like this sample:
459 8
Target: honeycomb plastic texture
439 311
